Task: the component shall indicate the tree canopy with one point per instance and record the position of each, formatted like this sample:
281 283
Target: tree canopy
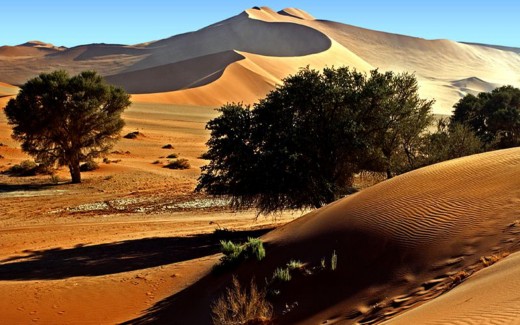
65 120
493 116
300 146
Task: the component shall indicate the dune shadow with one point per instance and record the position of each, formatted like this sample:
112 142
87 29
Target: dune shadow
111 258
8 188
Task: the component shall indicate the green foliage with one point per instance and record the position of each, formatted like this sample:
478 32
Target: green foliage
237 306
300 146
234 253
447 143
181 163
295 265
281 275
65 120
494 116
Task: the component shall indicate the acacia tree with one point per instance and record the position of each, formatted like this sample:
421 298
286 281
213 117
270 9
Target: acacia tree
66 120
300 146
394 117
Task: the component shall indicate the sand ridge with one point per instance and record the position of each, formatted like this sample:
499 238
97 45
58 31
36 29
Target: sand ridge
398 244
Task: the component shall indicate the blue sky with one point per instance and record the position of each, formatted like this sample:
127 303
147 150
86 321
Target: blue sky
71 23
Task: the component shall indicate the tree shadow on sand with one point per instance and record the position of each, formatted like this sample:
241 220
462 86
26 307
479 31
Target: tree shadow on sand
111 258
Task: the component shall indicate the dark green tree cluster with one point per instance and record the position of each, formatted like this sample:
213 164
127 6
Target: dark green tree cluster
300 146
494 117
488 121
67 120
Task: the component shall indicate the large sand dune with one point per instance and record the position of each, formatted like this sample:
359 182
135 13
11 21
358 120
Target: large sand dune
398 244
491 296
286 40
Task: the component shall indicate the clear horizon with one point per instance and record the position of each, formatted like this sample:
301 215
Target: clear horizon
65 23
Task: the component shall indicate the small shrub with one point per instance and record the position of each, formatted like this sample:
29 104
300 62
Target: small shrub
254 248
334 261
88 166
236 253
205 156
231 250
167 146
178 164
132 135
295 265
281 275
106 160
237 306
157 162
27 168
172 156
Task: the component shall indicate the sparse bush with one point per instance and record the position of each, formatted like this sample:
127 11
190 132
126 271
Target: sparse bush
157 162
172 156
181 163
27 168
132 135
295 265
239 306
89 166
106 160
281 275
236 253
167 146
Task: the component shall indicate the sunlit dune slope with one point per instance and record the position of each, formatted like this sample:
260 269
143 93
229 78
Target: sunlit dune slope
491 296
398 244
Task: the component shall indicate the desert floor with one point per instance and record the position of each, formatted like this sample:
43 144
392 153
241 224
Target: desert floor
130 235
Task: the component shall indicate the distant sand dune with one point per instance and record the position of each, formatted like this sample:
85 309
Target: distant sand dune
287 39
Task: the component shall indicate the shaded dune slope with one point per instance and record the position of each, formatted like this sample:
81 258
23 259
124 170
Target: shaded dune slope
398 244
180 75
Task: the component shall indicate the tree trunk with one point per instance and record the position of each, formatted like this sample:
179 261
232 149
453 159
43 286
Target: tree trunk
388 168
75 173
